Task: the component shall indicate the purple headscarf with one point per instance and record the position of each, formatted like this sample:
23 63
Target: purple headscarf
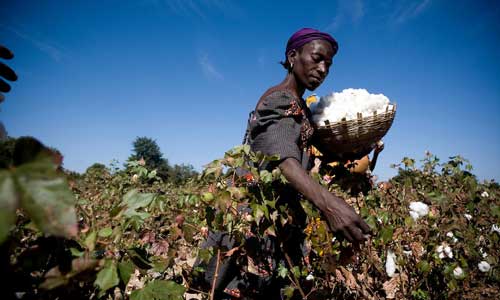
305 35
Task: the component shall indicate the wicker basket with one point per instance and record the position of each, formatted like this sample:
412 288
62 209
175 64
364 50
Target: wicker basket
353 139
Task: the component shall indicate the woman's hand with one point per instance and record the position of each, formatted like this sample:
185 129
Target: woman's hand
344 220
340 216
379 146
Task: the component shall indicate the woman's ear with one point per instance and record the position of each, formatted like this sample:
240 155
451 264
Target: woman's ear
292 56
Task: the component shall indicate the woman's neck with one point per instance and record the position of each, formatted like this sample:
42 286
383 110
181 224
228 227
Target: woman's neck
291 84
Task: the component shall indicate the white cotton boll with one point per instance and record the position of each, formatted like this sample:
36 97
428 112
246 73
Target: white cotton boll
484 266
420 209
390 264
448 251
458 272
440 249
485 194
495 228
414 215
442 255
135 178
468 217
309 277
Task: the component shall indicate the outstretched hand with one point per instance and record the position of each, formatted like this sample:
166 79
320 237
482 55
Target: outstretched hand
344 220
5 72
341 217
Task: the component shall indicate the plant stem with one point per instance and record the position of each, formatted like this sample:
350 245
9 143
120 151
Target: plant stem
295 281
214 281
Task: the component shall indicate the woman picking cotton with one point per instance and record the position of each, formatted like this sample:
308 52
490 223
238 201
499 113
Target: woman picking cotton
281 124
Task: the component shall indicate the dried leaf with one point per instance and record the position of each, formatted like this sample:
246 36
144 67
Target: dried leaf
350 281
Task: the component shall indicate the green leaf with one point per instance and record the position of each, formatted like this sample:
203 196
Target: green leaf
105 232
107 277
288 292
135 200
206 254
282 271
125 270
208 196
152 174
90 241
139 257
386 234
424 266
75 252
159 290
495 210
8 204
266 176
237 193
47 198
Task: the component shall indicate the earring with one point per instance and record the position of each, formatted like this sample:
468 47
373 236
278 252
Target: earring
291 67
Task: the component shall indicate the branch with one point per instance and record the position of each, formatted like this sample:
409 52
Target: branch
214 281
295 281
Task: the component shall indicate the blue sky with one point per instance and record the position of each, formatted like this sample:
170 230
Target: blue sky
93 75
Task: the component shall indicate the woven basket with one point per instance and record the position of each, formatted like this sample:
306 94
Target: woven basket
353 139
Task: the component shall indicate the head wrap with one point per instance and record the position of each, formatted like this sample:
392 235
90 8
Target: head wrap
305 35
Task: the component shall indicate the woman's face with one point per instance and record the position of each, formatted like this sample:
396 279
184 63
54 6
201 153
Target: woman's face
312 64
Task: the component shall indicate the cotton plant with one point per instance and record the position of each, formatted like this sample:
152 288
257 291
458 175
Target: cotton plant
347 105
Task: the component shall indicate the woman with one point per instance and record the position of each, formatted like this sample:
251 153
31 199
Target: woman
281 124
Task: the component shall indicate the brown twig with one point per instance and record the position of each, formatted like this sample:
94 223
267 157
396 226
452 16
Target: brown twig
197 291
294 280
214 281
310 292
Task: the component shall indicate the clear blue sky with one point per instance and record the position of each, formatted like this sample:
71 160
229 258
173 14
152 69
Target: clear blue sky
93 75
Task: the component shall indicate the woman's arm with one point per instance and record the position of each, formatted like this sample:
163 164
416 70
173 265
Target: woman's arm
341 217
